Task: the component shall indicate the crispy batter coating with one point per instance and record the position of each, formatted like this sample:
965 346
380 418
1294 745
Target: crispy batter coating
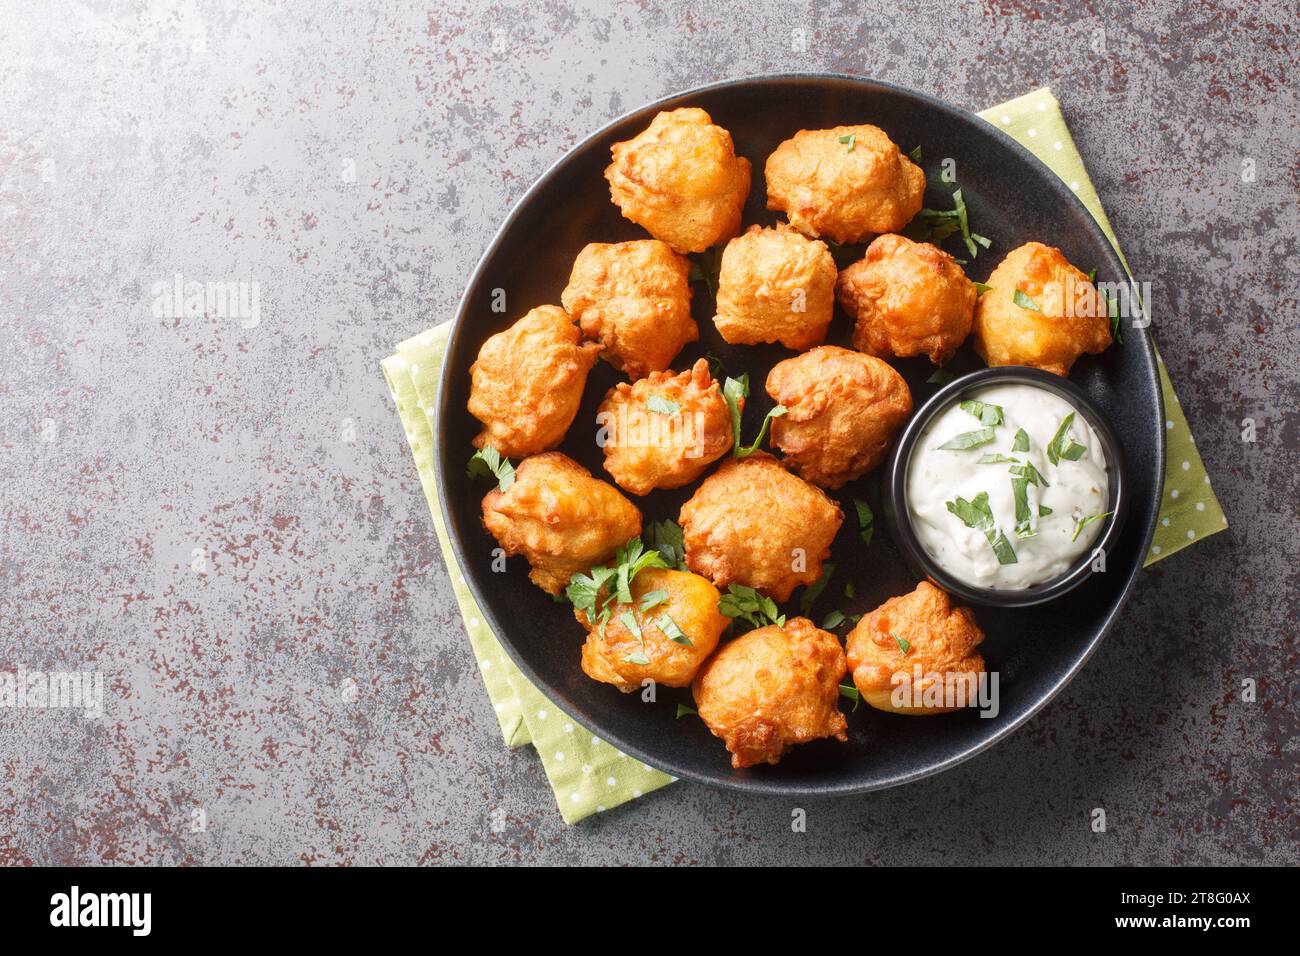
560 518
669 447
775 285
691 604
907 298
771 689
635 299
941 640
1072 320
844 190
842 410
752 522
681 180
526 383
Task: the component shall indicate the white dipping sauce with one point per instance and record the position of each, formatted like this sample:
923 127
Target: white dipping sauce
1076 489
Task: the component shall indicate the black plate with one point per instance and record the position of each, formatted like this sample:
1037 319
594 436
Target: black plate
1012 198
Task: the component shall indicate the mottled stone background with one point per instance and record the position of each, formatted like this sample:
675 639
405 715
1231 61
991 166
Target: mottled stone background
226 522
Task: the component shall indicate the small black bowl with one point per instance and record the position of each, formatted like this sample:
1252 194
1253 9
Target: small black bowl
895 486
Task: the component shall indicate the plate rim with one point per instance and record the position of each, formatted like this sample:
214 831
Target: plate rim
775 785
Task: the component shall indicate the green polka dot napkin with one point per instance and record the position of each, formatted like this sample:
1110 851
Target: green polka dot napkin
587 774
1190 511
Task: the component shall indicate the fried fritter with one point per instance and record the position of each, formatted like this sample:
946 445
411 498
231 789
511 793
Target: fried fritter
677 632
939 639
753 523
560 518
527 381
771 689
775 285
844 183
907 298
635 299
842 410
681 180
1059 318
664 430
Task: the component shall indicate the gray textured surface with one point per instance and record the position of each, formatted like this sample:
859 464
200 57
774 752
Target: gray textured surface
215 140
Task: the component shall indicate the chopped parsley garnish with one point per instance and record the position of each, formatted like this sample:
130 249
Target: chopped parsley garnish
717 367
1116 327
936 225
1029 473
747 450
1062 446
1044 511
833 620
662 406
488 461
866 520
915 154
996 458
1024 519
852 693
813 591
1021 441
1082 523
683 710
1022 300
981 288
987 414
849 591
967 440
666 538
963 222
977 514
653 598
705 269
904 644
629 621
940 376
668 627
735 391
850 140
745 603
596 592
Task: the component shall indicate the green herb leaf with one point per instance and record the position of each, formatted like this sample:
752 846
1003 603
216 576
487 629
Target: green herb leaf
963 222
584 589
735 391
488 461
748 605
748 450
1044 511
813 591
1084 522
904 644
982 240
1024 518
852 693
967 440
632 559
981 288
915 155
666 538
630 622
705 268
662 406
977 514
1021 441
866 520
849 590
1057 444
1092 274
833 620
1029 472
1022 300
653 598
668 627
987 414
995 458
940 376
850 140
683 710
717 368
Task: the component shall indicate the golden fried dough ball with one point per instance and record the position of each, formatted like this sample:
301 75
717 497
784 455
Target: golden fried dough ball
907 298
526 383
664 430
775 285
773 688
560 518
940 639
635 299
842 410
677 632
753 523
681 180
1070 318
844 190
